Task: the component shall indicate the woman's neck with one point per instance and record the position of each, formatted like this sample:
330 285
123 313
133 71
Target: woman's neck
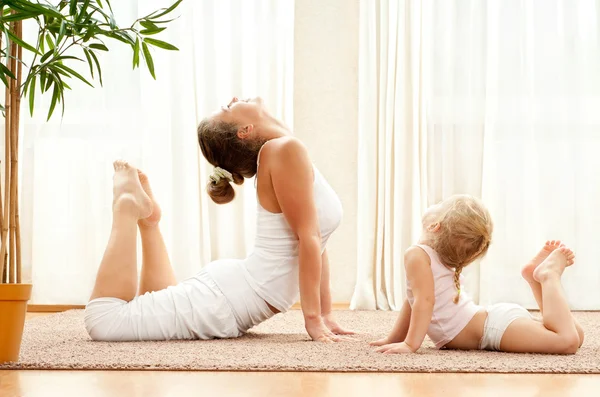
273 128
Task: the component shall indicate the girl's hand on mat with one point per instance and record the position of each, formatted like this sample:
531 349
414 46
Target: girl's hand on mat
335 327
319 332
395 348
381 342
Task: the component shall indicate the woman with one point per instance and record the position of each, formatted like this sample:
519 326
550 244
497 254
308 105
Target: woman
297 212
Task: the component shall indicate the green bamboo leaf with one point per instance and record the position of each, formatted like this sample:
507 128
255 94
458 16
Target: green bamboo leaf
97 66
49 41
20 16
165 21
136 53
73 7
161 44
41 44
115 36
168 10
101 11
55 95
148 32
3 78
98 46
83 12
47 10
58 83
91 31
20 42
89 60
49 81
58 71
35 8
61 32
43 81
148 25
74 73
64 57
46 56
66 86
127 39
149 60
7 71
32 95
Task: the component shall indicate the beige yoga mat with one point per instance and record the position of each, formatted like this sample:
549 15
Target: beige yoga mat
59 341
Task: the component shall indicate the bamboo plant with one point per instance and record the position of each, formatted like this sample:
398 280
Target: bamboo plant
71 34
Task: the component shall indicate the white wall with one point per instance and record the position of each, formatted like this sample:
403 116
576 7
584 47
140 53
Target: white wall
326 112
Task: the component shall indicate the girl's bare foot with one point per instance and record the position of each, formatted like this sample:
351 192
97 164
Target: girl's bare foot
128 194
528 269
154 218
554 265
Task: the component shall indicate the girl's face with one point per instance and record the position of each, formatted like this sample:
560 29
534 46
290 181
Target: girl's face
431 215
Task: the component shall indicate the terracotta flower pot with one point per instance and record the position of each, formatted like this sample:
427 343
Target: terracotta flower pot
13 307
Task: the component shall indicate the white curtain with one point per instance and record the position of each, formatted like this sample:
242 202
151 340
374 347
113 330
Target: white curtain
227 48
493 98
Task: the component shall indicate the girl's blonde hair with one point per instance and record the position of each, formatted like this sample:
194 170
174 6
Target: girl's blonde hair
464 233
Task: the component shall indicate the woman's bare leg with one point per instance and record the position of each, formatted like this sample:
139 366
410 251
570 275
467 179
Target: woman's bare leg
536 287
157 273
117 275
557 333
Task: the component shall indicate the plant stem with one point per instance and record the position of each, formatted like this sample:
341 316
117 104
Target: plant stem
8 113
19 75
2 262
7 153
14 129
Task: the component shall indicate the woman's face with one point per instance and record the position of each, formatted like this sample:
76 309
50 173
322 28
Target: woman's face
241 112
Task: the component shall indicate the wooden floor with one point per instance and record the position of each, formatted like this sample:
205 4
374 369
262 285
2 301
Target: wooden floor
307 384
289 384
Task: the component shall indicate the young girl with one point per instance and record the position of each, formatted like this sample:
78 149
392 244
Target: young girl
456 232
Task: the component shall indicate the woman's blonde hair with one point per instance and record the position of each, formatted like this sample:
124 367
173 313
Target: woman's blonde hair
464 233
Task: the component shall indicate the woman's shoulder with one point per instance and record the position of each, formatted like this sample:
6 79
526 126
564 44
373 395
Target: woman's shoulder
287 148
284 143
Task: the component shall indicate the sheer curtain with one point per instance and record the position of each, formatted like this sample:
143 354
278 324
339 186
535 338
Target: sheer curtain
494 99
227 48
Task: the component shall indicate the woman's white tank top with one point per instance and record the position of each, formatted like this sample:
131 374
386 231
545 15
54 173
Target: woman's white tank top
271 270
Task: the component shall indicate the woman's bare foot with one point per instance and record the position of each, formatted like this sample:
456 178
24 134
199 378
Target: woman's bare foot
528 269
154 218
128 194
554 265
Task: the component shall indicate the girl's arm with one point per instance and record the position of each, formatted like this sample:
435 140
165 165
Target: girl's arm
292 180
420 278
400 330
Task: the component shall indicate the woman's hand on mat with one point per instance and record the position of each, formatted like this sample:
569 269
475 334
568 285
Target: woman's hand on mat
334 326
395 348
319 332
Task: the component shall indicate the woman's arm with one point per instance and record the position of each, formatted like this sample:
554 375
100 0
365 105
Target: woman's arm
292 179
420 278
325 285
326 311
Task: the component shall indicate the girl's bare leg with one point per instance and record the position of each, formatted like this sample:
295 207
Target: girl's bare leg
536 287
557 333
